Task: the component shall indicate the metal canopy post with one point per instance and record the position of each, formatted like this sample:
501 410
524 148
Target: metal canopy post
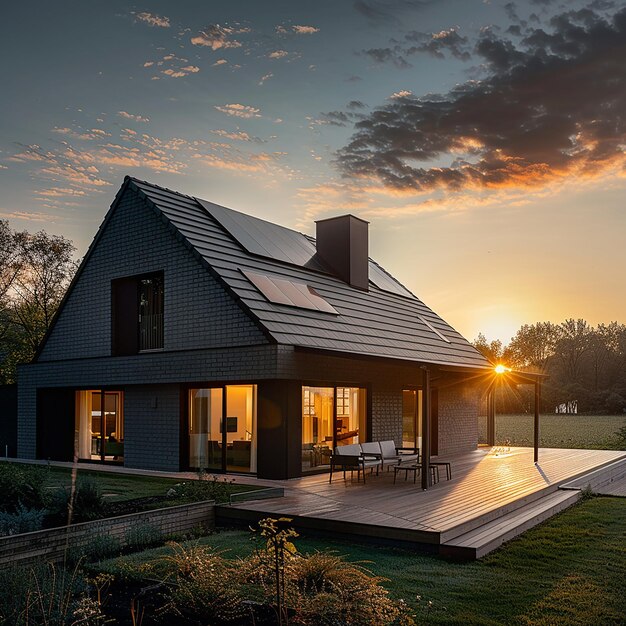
491 418
426 479
536 422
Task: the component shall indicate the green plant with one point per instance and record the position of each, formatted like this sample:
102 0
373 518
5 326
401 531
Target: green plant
206 586
48 595
100 546
143 536
22 484
88 503
278 550
22 521
205 487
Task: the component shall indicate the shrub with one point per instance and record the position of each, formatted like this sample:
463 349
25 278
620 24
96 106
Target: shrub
206 585
47 594
143 536
206 487
22 484
319 589
22 521
99 547
88 502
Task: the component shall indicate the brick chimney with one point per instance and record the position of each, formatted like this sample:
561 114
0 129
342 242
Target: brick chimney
342 244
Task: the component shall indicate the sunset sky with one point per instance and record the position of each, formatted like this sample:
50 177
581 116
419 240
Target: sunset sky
484 140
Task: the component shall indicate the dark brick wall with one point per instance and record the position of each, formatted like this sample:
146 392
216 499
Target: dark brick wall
458 418
198 312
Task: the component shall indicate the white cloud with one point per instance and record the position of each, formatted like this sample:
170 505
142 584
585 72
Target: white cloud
305 30
135 118
277 54
265 77
237 135
220 62
153 20
217 37
27 216
183 71
239 110
404 93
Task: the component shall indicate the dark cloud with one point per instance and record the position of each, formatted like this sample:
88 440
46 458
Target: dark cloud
549 106
438 43
341 118
356 104
388 55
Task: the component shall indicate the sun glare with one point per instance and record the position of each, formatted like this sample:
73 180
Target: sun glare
500 369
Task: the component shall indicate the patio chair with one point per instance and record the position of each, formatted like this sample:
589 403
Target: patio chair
351 458
393 455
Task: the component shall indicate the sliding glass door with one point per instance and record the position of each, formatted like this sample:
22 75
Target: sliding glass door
222 428
99 425
331 416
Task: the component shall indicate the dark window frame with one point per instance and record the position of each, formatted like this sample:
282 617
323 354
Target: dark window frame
126 311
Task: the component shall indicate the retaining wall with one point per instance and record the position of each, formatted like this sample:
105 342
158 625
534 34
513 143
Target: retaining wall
51 544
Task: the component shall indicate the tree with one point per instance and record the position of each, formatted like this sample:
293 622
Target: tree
532 345
10 263
492 351
35 270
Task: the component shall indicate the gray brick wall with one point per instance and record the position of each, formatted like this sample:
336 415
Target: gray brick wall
159 368
198 312
152 427
387 416
458 418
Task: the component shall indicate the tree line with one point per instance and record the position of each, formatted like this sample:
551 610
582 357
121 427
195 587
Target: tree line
584 364
35 270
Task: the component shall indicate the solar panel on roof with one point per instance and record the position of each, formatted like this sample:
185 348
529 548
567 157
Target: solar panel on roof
264 238
288 292
385 282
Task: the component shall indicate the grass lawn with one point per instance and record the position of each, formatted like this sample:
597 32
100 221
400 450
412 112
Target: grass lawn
591 432
116 487
569 570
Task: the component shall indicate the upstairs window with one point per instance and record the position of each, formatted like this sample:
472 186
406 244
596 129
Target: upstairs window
137 314
151 313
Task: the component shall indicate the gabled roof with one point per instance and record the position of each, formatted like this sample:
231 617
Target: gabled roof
385 321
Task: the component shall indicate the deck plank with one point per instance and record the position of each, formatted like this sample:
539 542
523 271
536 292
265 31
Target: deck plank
484 486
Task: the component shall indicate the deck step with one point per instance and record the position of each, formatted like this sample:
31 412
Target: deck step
602 477
480 541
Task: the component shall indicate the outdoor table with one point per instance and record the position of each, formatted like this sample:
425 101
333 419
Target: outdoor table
416 469
447 465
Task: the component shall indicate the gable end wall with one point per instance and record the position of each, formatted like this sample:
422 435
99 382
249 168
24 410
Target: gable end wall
199 313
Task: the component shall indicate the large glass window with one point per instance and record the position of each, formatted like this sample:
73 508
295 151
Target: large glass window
331 416
412 418
223 441
151 313
100 425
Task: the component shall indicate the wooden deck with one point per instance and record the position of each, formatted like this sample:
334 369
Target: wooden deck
485 488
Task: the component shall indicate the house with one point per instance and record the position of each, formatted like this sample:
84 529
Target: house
195 336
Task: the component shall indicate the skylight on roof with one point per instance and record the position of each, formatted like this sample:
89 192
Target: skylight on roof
289 293
438 333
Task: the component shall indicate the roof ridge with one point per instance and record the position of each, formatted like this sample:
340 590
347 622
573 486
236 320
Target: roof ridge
155 186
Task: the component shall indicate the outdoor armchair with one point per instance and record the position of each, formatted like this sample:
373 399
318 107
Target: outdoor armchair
393 455
351 458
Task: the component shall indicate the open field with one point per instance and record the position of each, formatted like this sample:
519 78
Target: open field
591 432
569 570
